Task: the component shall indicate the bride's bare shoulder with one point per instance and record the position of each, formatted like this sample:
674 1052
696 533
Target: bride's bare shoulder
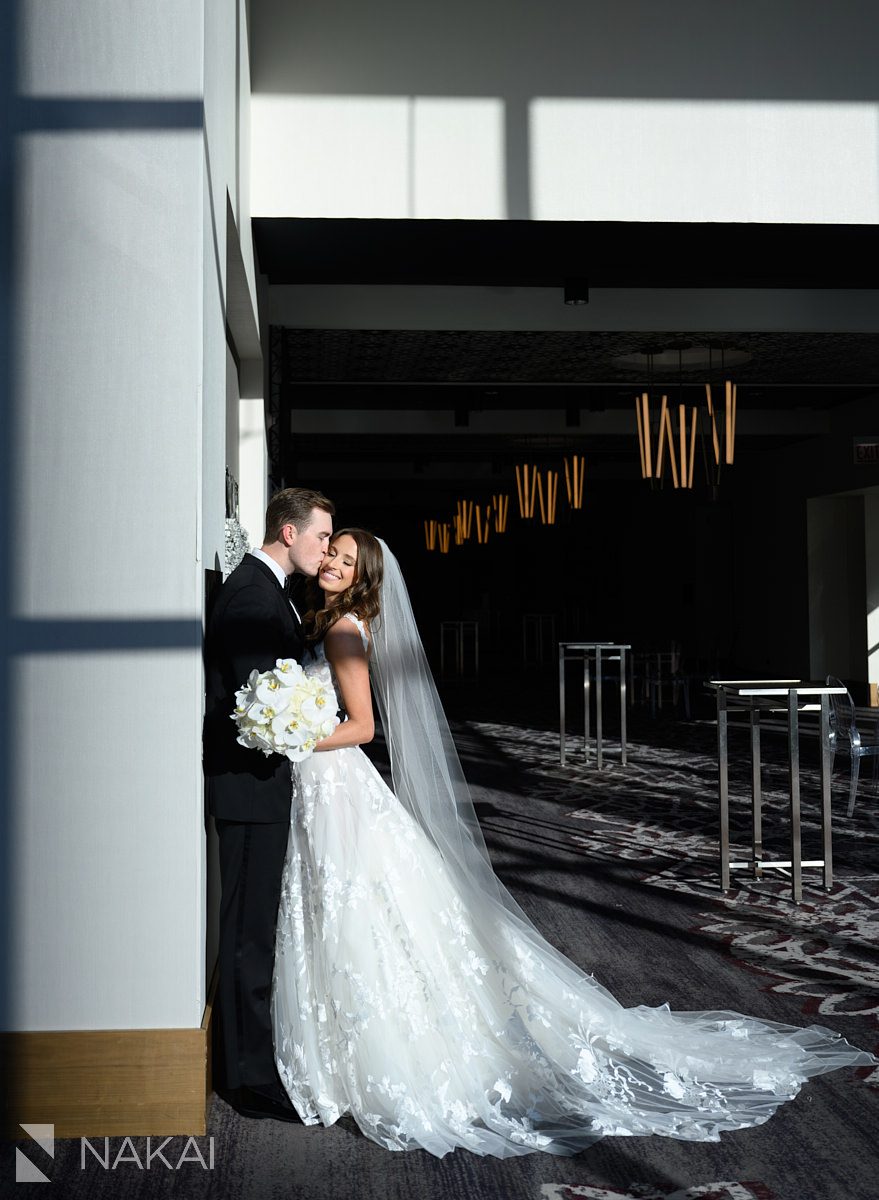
347 635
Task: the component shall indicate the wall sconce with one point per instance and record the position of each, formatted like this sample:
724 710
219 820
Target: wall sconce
430 534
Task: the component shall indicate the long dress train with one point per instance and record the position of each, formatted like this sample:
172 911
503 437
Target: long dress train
440 1027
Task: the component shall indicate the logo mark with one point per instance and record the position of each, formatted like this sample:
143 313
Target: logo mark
25 1170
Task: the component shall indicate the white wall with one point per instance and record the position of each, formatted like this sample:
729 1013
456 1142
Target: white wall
253 468
577 110
119 445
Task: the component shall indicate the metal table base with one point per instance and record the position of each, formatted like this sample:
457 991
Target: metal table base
601 652
756 697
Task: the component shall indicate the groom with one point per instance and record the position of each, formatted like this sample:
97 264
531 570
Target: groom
253 624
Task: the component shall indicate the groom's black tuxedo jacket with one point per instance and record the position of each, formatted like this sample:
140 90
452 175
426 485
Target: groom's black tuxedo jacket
250 626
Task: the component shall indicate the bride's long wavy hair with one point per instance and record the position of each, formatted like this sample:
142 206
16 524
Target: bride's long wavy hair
362 597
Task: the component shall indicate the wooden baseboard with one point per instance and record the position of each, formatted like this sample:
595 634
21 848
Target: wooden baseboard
109 1083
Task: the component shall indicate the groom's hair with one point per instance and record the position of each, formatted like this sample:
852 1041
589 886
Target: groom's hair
293 506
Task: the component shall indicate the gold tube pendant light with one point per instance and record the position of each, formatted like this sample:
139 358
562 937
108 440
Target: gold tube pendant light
463 521
640 421
651 464
675 438
526 481
693 415
663 421
722 425
715 440
672 458
501 506
574 470
645 419
521 491
552 495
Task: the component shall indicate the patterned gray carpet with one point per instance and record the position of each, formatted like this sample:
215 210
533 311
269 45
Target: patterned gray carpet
618 870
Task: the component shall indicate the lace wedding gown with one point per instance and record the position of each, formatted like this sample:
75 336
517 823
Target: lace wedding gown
437 1027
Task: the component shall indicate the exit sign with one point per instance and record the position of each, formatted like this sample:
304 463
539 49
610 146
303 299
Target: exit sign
866 451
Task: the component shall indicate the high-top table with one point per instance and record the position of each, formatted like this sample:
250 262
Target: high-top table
600 652
756 696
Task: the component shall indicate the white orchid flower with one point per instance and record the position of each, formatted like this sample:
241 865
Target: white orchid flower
270 690
298 753
254 740
288 730
326 730
315 708
289 672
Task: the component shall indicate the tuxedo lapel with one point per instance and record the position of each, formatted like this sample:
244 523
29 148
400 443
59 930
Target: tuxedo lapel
281 592
253 561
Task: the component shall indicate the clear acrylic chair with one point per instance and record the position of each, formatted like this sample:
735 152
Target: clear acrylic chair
846 738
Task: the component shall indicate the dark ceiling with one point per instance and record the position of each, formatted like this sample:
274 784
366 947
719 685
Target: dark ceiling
506 369
465 371
787 361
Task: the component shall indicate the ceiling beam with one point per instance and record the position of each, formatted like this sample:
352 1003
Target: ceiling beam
374 306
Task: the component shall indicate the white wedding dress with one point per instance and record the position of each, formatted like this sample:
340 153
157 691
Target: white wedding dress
439 1025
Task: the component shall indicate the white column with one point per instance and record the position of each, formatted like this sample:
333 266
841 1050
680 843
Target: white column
107 573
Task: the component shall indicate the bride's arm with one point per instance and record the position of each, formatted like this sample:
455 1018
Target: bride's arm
344 650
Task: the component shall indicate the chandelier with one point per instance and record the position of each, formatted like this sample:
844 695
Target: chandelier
537 493
672 438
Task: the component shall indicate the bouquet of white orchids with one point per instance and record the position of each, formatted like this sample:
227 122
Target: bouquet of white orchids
286 710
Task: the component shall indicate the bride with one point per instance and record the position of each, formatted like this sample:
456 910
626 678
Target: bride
411 991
